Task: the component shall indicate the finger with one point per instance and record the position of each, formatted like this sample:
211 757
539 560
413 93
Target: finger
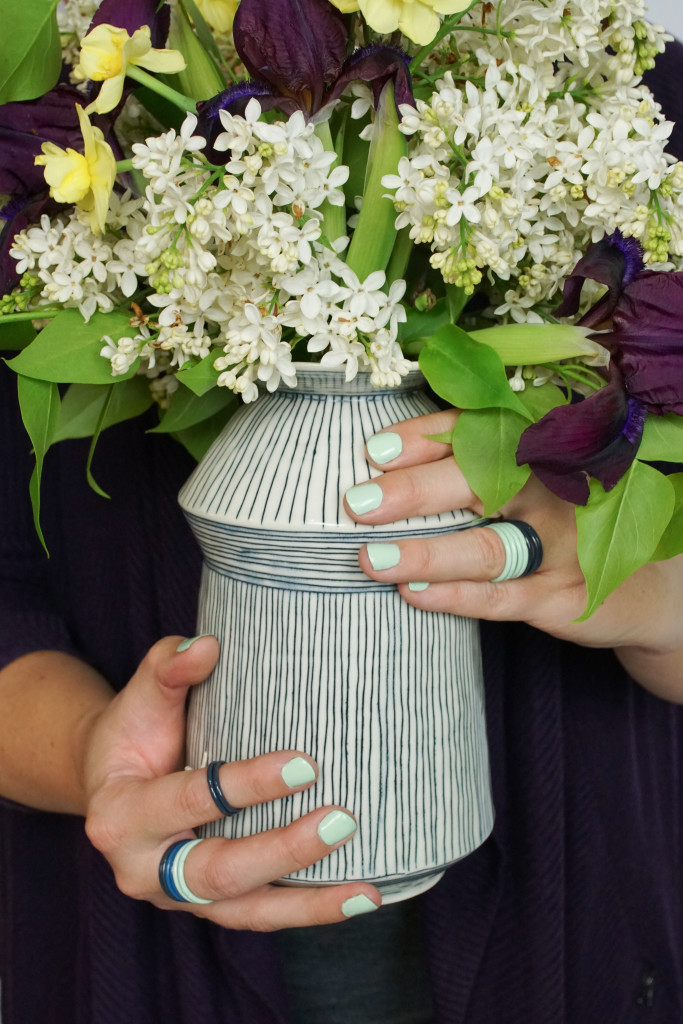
424 490
473 554
227 868
278 906
533 599
408 443
182 801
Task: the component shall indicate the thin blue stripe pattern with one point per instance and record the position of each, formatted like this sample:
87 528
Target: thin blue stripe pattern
316 657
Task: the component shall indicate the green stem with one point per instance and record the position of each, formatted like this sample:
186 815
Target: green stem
34 314
124 165
172 95
334 217
400 254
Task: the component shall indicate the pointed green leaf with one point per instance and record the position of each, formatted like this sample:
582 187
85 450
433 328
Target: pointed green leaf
530 344
82 406
199 438
662 439
206 36
93 444
671 543
187 409
200 377
423 324
31 54
67 351
484 446
619 530
467 374
16 336
539 401
39 404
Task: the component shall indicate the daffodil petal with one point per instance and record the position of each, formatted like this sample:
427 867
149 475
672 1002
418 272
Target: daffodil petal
166 61
419 22
382 15
346 6
450 6
109 95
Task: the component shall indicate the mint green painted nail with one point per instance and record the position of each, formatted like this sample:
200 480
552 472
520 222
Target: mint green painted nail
364 498
383 556
184 644
335 826
417 586
298 772
384 447
355 905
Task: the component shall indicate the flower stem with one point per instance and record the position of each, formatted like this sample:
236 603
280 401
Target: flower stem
33 314
447 26
124 165
172 95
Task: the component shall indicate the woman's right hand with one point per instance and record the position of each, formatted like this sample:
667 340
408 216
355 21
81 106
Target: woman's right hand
140 801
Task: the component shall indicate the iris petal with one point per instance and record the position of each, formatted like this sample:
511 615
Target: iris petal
132 14
376 65
298 46
614 261
597 437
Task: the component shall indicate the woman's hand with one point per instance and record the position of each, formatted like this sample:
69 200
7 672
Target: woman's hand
422 478
140 801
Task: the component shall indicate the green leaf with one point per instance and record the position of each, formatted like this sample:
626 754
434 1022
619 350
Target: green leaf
671 543
619 530
662 439
467 374
457 299
31 53
530 344
82 406
200 377
187 409
203 31
538 401
423 324
39 404
16 336
375 233
93 444
199 438
445 438
201 79
67 351
484 446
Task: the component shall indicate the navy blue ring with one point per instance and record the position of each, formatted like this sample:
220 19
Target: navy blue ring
534 545
217 795
165 871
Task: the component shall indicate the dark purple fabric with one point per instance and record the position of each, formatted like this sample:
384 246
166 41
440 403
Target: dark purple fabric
571 914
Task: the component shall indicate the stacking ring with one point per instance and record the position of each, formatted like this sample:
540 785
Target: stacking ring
523 549
217 794
172 872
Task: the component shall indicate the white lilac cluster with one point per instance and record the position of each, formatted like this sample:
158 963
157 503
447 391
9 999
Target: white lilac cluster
540 142
73 21
232 260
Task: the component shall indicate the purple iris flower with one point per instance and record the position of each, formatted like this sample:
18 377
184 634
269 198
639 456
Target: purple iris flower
600 435
295 53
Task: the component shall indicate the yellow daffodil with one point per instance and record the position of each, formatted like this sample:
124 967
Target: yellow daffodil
107 53
85 179
219 14
416 19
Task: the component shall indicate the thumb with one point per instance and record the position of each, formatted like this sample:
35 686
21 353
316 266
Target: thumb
168 670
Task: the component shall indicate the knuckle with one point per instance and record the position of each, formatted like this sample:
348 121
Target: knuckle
497 598
104 831
223 875
192 800
412 492
297 846
489 551
130 885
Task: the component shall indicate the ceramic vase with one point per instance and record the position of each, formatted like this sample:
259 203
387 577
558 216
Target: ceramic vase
317 657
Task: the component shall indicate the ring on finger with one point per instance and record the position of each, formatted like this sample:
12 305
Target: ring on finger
217 794
523 549
172 872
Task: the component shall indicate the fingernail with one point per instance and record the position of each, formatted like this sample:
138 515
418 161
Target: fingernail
383 556
335 826
364 498
384 447
184 644
355 905
298 772
417 586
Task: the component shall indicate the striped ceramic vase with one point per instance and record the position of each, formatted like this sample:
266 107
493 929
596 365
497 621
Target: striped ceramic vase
316 656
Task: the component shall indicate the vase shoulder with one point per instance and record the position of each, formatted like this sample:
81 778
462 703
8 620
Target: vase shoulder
285 461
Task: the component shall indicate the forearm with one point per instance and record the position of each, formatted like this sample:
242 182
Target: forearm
657 661
48 701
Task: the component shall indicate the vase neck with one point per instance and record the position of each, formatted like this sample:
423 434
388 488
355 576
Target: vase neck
313 379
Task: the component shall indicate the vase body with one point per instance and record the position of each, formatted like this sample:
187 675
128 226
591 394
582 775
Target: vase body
317 657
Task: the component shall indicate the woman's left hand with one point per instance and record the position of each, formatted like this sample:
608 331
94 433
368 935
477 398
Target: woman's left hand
424 479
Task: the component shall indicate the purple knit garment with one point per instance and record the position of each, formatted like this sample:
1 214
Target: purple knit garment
572 913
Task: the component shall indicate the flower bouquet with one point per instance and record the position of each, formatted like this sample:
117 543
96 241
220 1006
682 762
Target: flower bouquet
201 196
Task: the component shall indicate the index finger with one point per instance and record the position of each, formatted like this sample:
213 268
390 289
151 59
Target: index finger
409 443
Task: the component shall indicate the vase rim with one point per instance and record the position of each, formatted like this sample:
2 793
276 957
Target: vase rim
314 378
